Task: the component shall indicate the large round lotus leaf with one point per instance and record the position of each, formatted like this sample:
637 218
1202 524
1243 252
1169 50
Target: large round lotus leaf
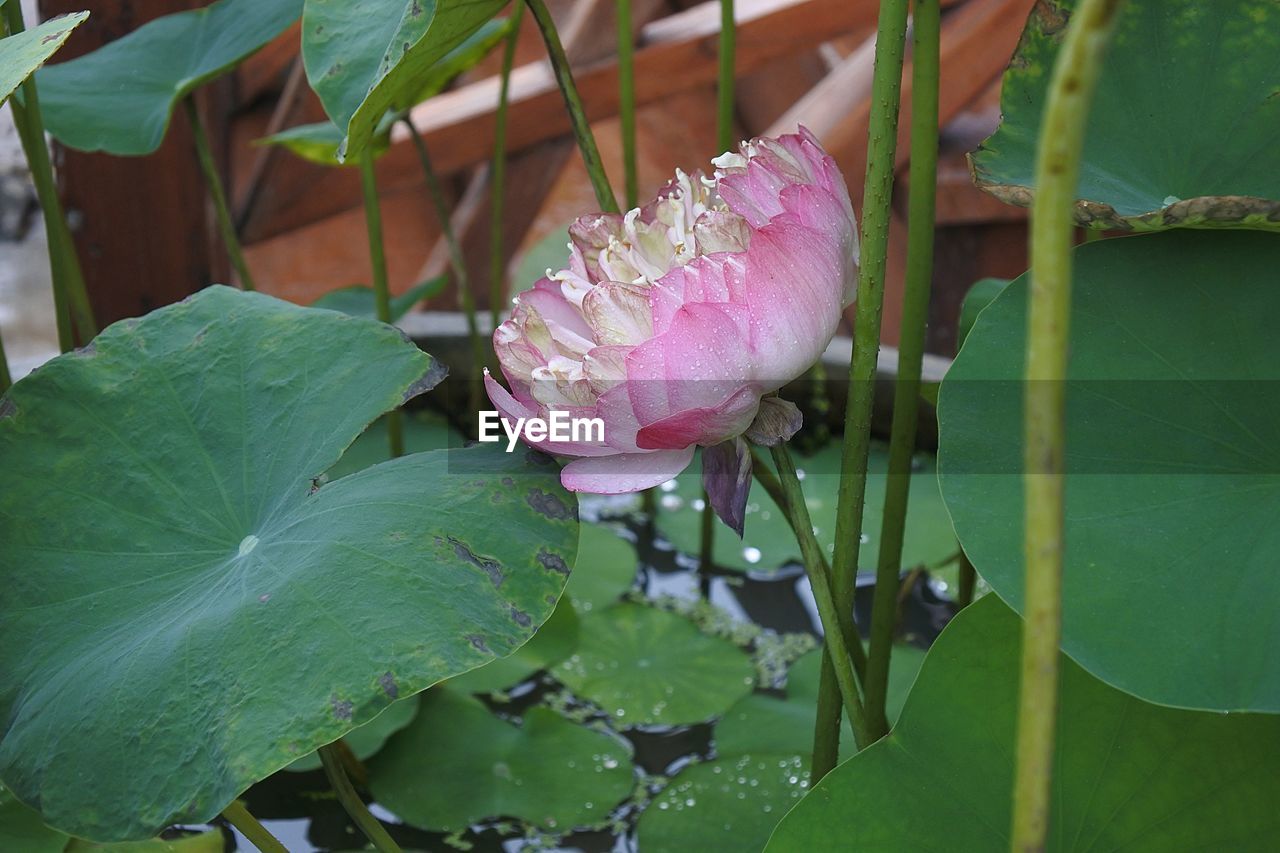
365 58
763 723
183 607
647 666
1181 131
119 98
457 764
768 543
365 741
1173 464
1127 775
555 641
729 805
24 52
606 568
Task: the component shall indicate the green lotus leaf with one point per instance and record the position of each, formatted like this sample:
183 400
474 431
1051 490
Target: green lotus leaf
729 805
119 98
457 763
606 568
186 606
365 741
646 666
1173 464
1181 131
768 543
365 59
22 53
1127 775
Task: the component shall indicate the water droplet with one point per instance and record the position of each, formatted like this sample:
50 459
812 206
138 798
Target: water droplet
751 555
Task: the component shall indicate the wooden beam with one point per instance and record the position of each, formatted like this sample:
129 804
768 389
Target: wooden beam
675 54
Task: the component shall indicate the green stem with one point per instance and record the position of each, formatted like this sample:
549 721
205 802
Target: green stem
886 91
724 89
769 482
350 800
456 261
497 272
706 549
841 664
967 581
238 816
627 100
6 378
1060 147
222 213
911 340
381 287
573 103
70 296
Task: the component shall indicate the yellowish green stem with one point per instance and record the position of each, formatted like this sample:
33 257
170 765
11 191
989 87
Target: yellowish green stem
724 90
1075 76
497 274
627 100
350 800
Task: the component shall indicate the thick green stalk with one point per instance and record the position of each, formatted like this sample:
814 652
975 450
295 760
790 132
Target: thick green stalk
706 545
886 90
238 816
1061 143
573 103
70 296
456 261
6 378
724 90
350 800
627 100
911 339
841 663
222 213
381 287
497 273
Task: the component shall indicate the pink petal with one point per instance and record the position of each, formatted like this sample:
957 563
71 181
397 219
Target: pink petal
708 425
513 410
624 472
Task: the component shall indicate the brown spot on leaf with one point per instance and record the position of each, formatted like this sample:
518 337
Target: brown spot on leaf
341 708
552 561
388 683
490 566
549 505
435 374
478 643
7 408
521 618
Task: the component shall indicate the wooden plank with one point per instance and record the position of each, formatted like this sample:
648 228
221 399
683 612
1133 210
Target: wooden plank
141 224
675 54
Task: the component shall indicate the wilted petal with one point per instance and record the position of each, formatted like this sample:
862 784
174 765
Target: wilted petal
619 314
721 231
726 476
776 421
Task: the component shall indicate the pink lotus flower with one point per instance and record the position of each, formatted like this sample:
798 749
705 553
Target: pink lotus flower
675 322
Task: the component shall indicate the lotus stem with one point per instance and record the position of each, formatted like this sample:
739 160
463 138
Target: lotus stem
222 213
724 89
706 546
627 100
911 342
257 834
1060 147
6 378
381 287
497 271
350 800
811 552
886 91
456 262
573 103
70 296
